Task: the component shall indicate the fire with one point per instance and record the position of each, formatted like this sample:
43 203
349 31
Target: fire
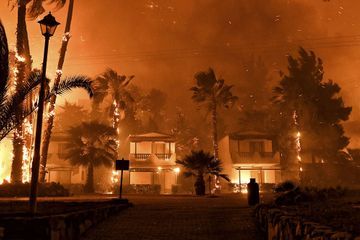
115 177
5 159
59 72
66 37
27 151
298 141
19 58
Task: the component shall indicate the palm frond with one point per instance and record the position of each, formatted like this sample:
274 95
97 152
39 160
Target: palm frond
36 7
70 83
4 64
8 118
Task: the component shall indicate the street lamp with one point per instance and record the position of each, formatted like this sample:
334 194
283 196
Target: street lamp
48 26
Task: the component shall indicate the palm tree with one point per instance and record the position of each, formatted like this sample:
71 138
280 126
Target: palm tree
91 144
31 9
200 164
110 82
212 93
71 114
50 119
9 103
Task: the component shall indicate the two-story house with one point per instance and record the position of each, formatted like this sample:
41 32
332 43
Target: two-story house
248 155
152 160
58 168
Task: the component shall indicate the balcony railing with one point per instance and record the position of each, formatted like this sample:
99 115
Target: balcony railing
250 154
144 156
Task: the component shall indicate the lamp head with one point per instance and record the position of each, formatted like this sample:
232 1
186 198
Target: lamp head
48 25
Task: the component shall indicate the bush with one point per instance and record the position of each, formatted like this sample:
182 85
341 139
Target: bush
139 189
267 187
285 186
23 190
175 188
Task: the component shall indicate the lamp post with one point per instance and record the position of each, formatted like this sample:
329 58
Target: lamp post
48 26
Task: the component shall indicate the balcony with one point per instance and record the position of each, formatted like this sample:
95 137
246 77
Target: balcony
145 156
254 157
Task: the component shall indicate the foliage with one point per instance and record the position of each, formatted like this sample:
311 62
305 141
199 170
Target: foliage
199 164
91 144
113 84
139 189
212 93
285 186
9 103
8 117
23 190
35 7
72 114
318 108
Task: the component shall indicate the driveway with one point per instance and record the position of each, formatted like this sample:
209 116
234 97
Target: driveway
180 217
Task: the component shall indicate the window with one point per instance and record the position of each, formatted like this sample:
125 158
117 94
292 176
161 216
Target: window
257 146
159 148
62 150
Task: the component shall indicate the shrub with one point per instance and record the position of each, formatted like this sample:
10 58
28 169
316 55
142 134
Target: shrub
267 187
175 188
285 186
139 189
23 190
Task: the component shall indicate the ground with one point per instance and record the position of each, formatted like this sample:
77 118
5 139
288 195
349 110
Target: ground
180 217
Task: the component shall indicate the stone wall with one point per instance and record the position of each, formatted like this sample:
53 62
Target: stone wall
278 224
66 226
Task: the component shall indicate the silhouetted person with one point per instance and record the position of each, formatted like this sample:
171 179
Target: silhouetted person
253 192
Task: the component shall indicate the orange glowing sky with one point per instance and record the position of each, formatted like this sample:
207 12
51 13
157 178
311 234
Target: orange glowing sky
164 42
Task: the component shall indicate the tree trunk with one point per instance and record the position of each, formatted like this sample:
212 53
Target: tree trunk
214 129
209 184
199 185
89 185
51 111
18 142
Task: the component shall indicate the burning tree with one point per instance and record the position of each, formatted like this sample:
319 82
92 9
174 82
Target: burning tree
23 132
51 110
312 109
110 82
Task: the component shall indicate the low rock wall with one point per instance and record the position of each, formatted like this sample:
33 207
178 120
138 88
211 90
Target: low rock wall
279 224
56 227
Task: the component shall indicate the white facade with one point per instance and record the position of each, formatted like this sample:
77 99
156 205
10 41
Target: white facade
58 168
250 155
152 160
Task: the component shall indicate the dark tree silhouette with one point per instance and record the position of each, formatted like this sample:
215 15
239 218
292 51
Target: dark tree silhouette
91 144
315 104
200 164
212 93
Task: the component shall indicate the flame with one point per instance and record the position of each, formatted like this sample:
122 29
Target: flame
115 178
66 37
59 72
5 159
19 58
297 141
27 152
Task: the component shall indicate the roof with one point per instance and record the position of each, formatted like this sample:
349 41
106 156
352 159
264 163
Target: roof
152 136
251 135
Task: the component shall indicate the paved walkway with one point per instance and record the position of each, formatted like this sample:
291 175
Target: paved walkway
180 217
